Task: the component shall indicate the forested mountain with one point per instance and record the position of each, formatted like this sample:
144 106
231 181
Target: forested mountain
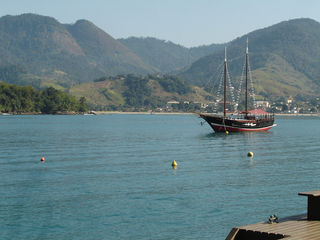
48 53
166 56
284 58
39 51
108 55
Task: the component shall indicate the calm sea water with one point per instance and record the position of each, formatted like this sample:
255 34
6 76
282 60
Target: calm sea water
110 177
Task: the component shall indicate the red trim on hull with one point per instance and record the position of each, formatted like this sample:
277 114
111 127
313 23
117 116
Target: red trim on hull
219 128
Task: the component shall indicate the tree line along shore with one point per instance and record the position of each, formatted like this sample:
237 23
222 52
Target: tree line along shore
27 100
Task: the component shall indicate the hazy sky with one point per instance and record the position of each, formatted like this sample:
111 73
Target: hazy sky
186 22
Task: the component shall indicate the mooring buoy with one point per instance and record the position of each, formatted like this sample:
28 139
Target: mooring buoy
174 164
250 154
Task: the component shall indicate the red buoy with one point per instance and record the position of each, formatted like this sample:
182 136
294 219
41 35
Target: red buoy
42 159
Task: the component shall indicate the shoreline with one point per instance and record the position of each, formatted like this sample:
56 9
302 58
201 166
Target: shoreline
149 113
99 113
141 113
297 114
193 113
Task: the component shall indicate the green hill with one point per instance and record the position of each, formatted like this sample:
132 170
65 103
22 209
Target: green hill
284 58
137 92
55 54
166 56
104 52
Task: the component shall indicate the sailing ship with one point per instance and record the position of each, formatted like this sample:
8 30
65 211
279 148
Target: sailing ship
253 120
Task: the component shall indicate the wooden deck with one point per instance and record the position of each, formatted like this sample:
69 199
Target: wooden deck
293 228
301 227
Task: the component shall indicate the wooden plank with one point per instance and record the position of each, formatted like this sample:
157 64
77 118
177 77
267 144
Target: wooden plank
283 222
304 233
293 227
275 227
309 235
297 226
300 229
312 236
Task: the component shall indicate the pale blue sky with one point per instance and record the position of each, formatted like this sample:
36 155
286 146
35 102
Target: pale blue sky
186 22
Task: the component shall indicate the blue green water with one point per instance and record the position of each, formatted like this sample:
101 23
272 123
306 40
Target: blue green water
110 176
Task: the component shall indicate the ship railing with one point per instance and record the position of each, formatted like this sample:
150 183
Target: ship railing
254 116
269 116
265 116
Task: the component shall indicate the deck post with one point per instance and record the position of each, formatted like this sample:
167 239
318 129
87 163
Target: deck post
313 204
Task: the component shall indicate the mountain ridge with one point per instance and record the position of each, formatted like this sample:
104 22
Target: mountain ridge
295 41
44 47
166 56
40 51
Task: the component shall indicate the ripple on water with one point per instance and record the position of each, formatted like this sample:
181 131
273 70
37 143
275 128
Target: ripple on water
110 177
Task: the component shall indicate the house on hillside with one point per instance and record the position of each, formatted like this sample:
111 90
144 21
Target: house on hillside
170 105
201 105
262 104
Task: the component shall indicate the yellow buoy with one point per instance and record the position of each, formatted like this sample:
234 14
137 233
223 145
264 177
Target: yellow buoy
174 164
250 154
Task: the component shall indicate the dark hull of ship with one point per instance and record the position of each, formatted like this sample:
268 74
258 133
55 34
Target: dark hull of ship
221 124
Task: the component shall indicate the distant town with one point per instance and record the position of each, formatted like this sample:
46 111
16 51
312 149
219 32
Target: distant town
282 105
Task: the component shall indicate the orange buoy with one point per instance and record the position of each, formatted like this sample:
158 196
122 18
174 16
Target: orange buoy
42 159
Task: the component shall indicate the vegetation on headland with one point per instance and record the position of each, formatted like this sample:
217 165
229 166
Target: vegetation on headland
136 93
15 99
168 93
130 93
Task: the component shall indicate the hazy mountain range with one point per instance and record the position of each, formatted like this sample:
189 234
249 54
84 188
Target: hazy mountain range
39 51
47 52
285 59
62 54
165 56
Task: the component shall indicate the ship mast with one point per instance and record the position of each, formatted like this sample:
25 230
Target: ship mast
225 82
247 60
